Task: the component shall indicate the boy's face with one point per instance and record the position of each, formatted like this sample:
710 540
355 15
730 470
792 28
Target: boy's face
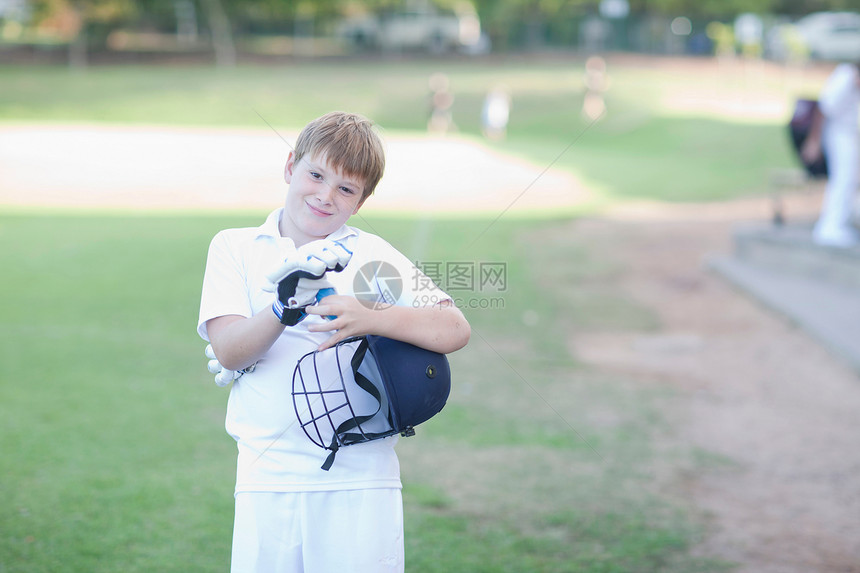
320 199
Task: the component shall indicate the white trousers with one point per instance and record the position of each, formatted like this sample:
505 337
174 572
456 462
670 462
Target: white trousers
357 531
843 159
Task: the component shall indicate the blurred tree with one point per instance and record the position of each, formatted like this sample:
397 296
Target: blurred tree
509 24
222 33
802 7
517 23
726 9
91 21
513 23
287 12
298 18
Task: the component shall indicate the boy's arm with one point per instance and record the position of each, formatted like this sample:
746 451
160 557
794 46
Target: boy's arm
441 328
239 341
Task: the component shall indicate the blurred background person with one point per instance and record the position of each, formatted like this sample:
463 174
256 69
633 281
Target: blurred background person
835 135
441 100
496 113
596 83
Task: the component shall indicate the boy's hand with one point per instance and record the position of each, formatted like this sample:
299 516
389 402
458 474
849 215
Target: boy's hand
300 277
349 317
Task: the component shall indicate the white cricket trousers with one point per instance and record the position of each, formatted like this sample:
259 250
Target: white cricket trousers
356 531
843 156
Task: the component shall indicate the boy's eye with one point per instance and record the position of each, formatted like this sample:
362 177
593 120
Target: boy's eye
347 190
315 175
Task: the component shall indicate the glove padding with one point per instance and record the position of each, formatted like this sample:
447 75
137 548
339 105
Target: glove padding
222 375
300 278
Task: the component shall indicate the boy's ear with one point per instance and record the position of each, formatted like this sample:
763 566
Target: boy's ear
288 169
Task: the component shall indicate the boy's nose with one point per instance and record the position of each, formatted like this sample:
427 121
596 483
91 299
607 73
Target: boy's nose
325 193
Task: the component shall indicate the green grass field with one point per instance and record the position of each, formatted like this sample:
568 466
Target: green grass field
115 457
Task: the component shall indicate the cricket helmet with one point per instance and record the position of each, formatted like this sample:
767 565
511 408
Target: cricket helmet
367 388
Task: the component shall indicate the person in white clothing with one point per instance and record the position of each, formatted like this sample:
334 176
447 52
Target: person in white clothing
291 515
835 134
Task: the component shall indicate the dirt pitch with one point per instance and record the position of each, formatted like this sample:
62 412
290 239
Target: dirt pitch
156 168
776 412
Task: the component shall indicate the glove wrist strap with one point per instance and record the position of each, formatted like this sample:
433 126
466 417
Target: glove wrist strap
287 316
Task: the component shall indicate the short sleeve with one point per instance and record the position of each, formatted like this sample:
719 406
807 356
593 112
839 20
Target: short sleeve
225 289
383 274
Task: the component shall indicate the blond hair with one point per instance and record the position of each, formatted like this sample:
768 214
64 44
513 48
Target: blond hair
349 143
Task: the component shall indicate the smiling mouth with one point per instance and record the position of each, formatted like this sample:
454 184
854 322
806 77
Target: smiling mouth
318 212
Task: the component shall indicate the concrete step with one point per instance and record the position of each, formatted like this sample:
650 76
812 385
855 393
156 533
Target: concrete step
789 250
828 310
816 287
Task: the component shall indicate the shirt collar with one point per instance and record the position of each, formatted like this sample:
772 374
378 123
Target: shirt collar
271 228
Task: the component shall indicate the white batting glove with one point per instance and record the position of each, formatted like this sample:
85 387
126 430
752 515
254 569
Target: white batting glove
222 376
300 278
315 258
306 292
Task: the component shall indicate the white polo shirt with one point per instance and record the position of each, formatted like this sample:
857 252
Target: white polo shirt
275 455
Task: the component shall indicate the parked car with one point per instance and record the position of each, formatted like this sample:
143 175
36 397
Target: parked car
425 29
824 36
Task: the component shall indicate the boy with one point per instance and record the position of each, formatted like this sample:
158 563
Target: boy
290 514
